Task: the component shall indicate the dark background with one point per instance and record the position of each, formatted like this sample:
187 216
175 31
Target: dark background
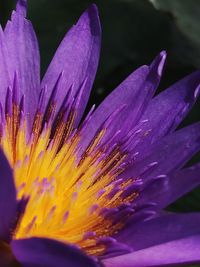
134 31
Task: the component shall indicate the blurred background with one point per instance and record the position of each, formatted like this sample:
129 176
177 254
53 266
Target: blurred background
134 31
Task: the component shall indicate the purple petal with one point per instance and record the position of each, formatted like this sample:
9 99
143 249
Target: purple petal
163 229
6 257
8 203
178 184
41 252
24 57
5 68
166 155
135 92
174 253
77 58
165 112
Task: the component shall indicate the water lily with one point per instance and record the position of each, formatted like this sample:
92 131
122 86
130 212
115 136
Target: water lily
91 191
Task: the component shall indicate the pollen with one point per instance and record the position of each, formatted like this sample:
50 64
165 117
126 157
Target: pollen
71 198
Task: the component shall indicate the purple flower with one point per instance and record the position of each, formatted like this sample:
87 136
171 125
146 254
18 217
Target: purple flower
91 192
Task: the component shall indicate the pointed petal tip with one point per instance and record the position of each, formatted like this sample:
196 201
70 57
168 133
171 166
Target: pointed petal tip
93 11
163 56
22 7
90 19
158 63
163 53
192 82
93 7
197 92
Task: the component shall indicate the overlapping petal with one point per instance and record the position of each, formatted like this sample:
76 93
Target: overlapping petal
164 192
132 95
23 59
163 240
41 252
7 258
162 229
5 67
167 240
175 253
77 59
166 155
165 111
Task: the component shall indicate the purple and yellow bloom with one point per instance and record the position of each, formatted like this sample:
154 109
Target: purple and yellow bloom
91 192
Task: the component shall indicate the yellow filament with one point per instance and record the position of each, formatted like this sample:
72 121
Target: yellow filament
63 193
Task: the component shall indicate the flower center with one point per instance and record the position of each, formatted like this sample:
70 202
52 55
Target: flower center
74 199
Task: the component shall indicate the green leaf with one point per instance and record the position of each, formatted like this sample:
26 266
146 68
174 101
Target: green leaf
186 15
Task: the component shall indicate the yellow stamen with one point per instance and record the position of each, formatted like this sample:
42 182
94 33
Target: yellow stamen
65 201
